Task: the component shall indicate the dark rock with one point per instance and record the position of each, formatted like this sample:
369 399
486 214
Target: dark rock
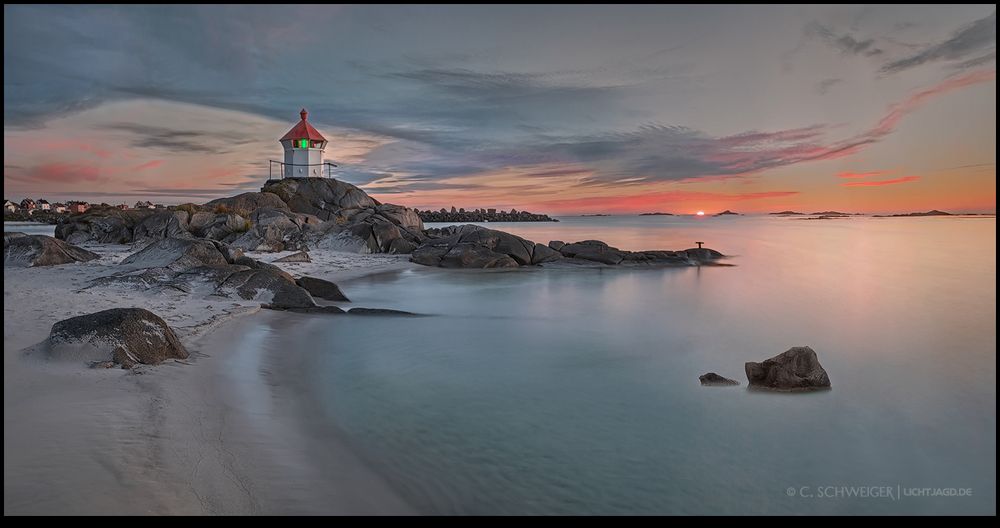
264 285
301 256
556 244
248 202
380 311
306 309
472 246
41 250
542 254
714 379
594 250
703 255
127 336
102 225
176 254
157 226
322 197
322 289
797 368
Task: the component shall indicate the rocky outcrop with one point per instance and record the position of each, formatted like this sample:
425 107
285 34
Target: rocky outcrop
249 202
177 254
210 268
102 225
321 197
482 215
351 220
160 225
125 336
471 246
713 379
21 250
322 289
795 369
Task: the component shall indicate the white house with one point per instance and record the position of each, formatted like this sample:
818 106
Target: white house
43 205
59 208
10 206
304 147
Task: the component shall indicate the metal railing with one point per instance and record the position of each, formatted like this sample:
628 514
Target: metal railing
282 166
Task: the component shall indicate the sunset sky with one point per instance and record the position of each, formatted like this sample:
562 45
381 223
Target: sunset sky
552 109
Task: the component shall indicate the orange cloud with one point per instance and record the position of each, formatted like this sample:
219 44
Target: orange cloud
904 179
861 174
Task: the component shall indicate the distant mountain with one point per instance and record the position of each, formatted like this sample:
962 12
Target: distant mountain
933 212
656 214
831 213
786 213
726 212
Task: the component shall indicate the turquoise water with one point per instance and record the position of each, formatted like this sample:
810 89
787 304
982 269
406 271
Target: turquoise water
576 391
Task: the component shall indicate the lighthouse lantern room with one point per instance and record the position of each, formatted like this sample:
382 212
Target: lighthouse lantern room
304 147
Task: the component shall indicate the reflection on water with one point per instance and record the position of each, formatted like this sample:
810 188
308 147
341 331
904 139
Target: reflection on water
30 228
576 391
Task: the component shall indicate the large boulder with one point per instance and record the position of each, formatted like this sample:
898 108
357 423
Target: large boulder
323 289
266 286
471 246
713 379
103 225
351 220
322 197
41 250
248 202
273 230
160 225
177 254
795 369
127 336
593 250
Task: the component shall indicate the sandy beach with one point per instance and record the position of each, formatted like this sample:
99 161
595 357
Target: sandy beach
218 433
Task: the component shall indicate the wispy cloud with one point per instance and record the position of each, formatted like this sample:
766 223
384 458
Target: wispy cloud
880 183
844 42
968 40
870 174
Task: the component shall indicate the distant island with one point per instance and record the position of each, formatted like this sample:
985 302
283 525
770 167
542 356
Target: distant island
595 214
830 213
481 215
726 212
933 212
787 213
656 214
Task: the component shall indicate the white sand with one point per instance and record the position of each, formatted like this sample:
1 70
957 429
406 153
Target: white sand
210 435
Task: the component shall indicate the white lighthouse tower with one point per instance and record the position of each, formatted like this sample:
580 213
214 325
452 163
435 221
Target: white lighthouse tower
304 147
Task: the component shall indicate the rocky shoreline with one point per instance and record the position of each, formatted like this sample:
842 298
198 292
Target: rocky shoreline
482 215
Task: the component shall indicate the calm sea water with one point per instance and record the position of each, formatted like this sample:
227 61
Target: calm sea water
30 228
576 391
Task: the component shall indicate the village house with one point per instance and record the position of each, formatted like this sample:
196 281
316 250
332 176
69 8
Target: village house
28 205
144 205
43 205
10 206
78 207
59 207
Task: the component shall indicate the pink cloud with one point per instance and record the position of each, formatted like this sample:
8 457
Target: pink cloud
148 165
897 111
650 201
904 179
66 173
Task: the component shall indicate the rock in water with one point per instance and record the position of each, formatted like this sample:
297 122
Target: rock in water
714 379
41 250
323 289
797 368
301 256
127 336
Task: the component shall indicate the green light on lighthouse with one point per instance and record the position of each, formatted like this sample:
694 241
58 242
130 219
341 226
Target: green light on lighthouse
303 143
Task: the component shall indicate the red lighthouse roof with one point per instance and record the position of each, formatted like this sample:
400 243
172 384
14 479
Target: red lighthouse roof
303 130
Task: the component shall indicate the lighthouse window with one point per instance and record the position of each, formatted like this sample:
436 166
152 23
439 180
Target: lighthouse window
303 143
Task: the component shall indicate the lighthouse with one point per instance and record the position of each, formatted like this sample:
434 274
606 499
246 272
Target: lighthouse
304 147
